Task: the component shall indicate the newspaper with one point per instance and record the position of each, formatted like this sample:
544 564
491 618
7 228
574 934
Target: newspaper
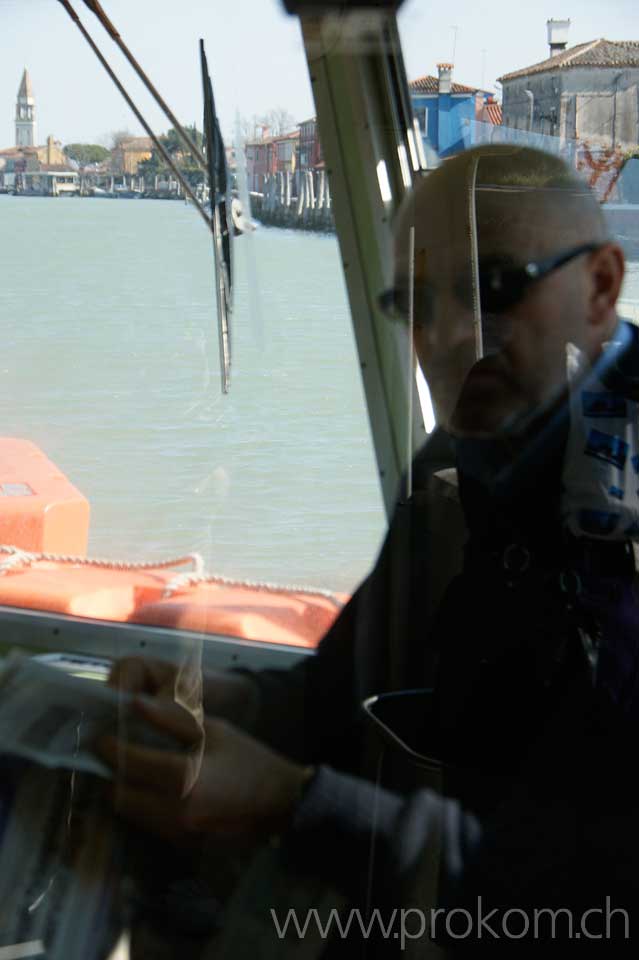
67 885
60 866
54 719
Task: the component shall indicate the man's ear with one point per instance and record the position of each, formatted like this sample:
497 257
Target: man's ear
607 267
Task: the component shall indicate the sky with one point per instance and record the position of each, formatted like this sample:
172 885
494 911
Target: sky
255 55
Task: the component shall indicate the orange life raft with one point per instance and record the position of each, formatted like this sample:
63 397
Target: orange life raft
39 508
44 519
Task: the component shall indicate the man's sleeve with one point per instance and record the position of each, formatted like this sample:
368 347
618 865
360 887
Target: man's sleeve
305 711
372 842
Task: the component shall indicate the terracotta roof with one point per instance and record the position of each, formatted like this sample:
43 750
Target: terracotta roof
19 152
595 53
491 113
430 84
292 135
26 90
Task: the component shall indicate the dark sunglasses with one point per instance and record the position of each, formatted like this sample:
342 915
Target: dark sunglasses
501 286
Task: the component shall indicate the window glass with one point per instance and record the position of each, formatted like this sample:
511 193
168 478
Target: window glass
583 110
111 368
110 364
417 777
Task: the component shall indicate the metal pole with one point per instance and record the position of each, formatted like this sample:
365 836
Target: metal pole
474 258
531 100
411 360
454 29
95 7
166 156
614 108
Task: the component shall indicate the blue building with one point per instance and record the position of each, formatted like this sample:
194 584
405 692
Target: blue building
447 111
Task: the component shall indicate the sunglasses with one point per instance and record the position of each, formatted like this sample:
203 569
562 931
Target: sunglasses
501 286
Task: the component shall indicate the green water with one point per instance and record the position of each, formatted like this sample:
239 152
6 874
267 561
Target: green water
109 363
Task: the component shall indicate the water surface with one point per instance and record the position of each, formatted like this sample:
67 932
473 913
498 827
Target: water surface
110 365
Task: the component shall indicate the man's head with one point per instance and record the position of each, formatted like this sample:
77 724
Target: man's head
490 334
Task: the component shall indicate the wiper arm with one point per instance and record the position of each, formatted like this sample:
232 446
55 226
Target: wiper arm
159 145
213 164
187 140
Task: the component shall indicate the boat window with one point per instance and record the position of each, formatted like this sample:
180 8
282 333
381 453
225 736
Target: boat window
110 363
408 523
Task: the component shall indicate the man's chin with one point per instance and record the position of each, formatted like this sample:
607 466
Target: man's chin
488 405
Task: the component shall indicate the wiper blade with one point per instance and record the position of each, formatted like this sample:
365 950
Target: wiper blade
214 165
221 222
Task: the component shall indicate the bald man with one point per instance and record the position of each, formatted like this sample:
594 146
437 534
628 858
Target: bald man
532 378
477 220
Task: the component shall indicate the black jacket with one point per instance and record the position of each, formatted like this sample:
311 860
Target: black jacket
544 813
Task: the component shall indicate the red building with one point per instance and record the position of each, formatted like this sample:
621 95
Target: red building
270 155
260 162
285 151
310 148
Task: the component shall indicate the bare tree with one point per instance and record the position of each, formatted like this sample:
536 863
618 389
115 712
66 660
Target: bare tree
249 128
275 121
278 121
117 138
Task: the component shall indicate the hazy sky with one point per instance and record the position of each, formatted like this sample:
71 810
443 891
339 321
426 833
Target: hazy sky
255 54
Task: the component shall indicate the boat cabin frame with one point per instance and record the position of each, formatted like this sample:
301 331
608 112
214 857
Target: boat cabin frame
373 153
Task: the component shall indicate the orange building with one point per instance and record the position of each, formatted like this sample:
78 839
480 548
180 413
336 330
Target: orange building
130 153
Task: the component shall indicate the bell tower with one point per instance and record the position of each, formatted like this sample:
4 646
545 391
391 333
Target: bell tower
25 114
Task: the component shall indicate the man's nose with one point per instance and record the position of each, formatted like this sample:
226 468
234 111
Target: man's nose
452 327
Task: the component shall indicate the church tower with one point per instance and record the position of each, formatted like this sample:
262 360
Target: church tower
25 114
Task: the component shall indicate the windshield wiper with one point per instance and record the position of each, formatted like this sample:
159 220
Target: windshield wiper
213 163
220 215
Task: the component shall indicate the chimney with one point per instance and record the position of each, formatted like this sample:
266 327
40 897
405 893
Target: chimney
557 35
49 150
445 73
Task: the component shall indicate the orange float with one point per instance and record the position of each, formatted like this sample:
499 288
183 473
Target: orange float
124 593
277 614
43 534
40 509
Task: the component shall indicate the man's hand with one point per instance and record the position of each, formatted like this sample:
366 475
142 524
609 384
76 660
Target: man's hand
232 696
223 782
155 678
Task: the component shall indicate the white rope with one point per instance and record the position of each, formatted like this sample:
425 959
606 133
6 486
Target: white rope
18 558
193 579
